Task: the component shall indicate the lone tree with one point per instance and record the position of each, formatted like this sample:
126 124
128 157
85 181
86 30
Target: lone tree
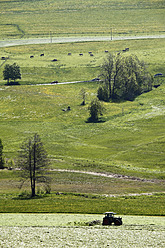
83 94
123 77
1 156
95 109
33 161
11 72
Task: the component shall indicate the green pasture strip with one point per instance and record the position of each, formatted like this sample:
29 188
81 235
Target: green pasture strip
129 140
46 18
41 69
84 203
75 182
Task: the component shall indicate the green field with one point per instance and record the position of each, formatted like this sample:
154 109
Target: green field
64 18
129 138
128 141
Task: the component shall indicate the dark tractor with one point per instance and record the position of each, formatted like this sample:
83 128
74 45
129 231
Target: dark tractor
109 219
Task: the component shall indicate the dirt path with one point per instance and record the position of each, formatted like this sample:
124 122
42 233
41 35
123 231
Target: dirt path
111 175
15 42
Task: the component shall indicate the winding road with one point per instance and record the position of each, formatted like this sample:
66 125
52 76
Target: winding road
18 42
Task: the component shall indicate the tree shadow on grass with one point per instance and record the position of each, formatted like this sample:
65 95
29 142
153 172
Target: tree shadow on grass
12 83
28 196
99 120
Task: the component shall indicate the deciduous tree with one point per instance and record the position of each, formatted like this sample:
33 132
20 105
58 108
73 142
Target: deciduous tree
33 161
95 109
1 156
83 94
11 72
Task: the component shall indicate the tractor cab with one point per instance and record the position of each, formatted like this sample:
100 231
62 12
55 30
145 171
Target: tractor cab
109 219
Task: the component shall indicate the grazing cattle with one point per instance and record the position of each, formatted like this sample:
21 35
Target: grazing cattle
69 54
81 54
31 56
158 74
54 60
95 79
91 54
126 49
156 85
68 109
106 51
3 58
42 54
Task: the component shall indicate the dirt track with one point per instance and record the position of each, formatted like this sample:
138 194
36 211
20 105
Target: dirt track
15 42
111 175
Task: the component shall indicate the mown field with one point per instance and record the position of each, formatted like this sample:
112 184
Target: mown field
61 18
67 230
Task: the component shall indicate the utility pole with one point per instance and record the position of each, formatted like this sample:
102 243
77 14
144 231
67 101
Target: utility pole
50 37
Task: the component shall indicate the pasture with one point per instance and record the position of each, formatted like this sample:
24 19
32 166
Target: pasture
65 230
68 68
69 18
128 140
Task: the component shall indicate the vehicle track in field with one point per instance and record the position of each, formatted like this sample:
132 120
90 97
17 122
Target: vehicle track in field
18 42
123 177
111 175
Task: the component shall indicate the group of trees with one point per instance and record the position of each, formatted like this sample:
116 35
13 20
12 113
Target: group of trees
11 72
123 77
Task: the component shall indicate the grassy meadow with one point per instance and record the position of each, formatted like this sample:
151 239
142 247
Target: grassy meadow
129 138
22 19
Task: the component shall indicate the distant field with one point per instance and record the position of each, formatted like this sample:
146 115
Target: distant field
64 18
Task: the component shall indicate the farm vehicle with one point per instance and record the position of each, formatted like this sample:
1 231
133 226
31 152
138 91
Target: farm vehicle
109 219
